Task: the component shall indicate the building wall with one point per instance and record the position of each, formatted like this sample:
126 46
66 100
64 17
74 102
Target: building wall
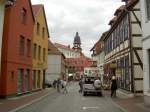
54 67
125 57
70 53
12 58
1 25
137 43
146 47
39 64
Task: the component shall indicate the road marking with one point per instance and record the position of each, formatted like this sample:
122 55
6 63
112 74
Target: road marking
85 108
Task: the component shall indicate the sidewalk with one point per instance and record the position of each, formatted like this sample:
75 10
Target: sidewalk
131 103
12 104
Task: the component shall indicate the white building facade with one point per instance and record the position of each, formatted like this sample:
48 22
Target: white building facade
54 67
145 9
67 51
56 64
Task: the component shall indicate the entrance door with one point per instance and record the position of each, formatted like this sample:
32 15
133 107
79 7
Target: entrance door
43 79
20 81
27 75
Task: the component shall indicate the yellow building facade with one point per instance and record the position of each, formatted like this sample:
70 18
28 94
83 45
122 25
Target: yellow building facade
40 47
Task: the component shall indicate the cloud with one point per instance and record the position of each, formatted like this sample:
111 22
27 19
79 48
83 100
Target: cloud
89 17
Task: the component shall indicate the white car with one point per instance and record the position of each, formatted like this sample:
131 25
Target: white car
88 86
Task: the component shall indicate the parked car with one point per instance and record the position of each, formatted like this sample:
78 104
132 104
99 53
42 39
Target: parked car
48 83
88 86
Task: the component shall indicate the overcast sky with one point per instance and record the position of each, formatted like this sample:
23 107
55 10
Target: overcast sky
88 17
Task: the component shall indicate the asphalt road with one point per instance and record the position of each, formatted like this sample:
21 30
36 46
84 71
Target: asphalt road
73 102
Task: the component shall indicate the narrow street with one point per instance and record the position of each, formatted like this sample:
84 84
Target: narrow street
73 102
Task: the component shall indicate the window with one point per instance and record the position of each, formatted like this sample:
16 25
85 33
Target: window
27 80
20 81
34 51
148 9
38 79
44 52
126 35
38 29
149 66
34 79
43 32
39 53
28 47
23 15
21 45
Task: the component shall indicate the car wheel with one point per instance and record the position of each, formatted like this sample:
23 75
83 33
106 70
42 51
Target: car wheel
84 93
99 93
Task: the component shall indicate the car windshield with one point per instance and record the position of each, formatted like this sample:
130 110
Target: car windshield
89 80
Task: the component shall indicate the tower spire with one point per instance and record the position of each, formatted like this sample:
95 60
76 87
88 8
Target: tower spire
77 42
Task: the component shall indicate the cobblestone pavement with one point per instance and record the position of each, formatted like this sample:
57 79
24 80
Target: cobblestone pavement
73 102
50 101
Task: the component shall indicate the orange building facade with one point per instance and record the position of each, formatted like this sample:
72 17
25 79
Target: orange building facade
16 74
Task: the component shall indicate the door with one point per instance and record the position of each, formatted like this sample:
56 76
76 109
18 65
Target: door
27 80
20 81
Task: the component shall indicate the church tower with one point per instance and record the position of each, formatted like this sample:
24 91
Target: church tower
77 43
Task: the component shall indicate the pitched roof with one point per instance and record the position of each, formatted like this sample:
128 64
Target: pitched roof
121 8
112 20
64 47
78 62
52 49
130 4
36 8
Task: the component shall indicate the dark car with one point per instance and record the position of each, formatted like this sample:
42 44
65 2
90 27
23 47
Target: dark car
48 83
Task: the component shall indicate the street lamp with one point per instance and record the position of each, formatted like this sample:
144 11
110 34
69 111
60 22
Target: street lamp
9 3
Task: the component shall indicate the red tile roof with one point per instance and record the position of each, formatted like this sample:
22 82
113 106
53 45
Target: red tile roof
78 62
113 20
36 8
52 49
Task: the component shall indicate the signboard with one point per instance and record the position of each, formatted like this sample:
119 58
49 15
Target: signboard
113 65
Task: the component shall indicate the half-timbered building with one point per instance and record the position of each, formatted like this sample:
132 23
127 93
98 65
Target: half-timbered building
123 48
145 10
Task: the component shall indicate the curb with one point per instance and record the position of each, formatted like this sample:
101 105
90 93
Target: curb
31 102
125 95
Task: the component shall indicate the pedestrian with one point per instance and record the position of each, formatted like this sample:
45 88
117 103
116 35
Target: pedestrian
64 87
54 83
81 85
113 86
58 85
